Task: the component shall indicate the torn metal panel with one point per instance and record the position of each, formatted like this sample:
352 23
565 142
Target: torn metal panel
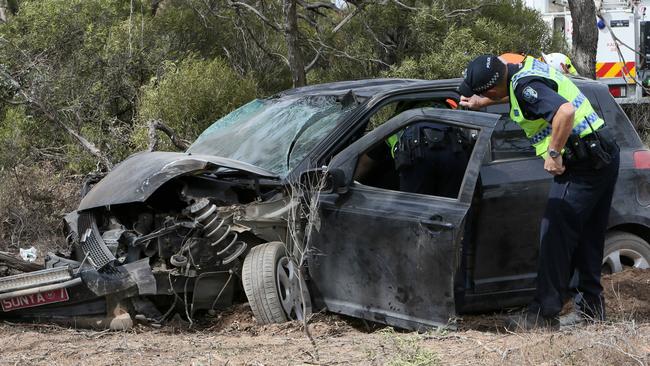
109 282
141 273
269 219
136 275
213 290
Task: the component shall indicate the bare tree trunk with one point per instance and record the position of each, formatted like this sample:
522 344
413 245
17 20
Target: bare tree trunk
15 263
585 36
291 35
3 10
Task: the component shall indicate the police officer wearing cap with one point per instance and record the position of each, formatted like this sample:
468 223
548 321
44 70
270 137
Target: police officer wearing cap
430 157
583 158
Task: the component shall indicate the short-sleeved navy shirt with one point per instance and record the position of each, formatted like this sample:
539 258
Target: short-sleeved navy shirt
537 97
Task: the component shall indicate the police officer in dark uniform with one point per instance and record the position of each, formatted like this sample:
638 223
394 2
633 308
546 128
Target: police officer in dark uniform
583 158
431 159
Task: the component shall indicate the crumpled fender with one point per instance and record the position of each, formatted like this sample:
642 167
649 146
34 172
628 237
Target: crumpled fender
139 176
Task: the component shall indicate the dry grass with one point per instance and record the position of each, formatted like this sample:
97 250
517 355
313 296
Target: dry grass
339 342
33 200
233 338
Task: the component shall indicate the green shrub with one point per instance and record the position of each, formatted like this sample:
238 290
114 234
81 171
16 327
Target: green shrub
191 95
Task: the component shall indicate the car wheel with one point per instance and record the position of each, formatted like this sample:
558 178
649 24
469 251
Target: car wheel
625 250
273 286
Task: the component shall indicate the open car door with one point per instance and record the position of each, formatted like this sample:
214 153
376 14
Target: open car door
391 256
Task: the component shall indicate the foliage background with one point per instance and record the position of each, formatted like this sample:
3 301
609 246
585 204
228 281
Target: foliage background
102 69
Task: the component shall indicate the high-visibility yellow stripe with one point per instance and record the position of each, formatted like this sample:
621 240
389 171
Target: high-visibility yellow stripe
615 69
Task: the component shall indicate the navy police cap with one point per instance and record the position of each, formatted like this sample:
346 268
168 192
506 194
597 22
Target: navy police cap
482 73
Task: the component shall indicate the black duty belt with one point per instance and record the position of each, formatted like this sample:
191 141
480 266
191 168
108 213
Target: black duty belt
594 149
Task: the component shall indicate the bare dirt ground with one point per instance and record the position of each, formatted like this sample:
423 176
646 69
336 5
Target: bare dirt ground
233 338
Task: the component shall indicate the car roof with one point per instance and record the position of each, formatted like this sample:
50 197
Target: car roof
583 81
363 88
368 87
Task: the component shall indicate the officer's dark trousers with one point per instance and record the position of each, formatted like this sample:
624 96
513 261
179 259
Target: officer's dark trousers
572 238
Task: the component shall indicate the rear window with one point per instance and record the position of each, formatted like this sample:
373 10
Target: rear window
615 118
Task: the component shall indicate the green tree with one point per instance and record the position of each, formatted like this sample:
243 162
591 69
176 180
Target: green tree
448 34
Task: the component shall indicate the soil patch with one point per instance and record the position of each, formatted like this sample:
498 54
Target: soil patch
627 295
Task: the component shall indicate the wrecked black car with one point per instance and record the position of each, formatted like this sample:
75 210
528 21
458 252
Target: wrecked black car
293 204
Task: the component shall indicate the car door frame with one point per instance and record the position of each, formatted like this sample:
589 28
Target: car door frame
327 267
339 139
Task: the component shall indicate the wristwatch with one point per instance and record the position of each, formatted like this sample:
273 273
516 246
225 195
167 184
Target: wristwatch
553 153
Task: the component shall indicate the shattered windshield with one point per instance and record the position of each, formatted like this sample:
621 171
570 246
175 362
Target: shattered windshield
274 134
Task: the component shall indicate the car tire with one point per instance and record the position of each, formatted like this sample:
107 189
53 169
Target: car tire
625 250
273 286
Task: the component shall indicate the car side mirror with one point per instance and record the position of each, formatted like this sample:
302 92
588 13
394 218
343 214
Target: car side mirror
336 181
330 181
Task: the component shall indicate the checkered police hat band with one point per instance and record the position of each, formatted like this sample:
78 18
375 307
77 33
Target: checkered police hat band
489 85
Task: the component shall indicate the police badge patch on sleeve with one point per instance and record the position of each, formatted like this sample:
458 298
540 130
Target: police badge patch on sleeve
530 95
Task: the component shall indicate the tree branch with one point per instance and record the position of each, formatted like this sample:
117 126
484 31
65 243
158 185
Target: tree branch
318 5
18 264
237 4
314 60
452 14
156 124
461 12
89 146
348 18
405 6
311 22
261 47
343 54
385 46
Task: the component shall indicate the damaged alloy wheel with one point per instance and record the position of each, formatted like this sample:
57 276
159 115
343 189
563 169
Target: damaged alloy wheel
275 290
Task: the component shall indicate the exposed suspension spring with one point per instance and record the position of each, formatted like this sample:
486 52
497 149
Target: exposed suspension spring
217 231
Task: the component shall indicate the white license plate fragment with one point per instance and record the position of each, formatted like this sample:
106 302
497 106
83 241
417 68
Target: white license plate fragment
28 301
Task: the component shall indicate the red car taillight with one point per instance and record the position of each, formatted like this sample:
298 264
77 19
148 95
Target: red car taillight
642 159
618 91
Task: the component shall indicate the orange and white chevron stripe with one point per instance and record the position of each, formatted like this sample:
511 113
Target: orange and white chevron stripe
615 69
